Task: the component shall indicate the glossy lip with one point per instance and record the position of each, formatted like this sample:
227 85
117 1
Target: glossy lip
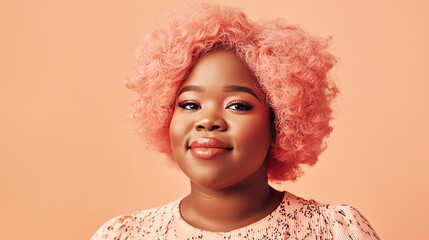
208 148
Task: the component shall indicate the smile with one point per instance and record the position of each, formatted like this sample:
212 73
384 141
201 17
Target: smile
208 148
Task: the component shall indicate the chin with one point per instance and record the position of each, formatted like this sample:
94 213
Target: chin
213 182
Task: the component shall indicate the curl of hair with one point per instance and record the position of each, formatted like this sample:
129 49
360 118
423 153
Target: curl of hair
291 67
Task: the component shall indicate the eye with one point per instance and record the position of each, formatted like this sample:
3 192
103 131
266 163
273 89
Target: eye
239 106
189 105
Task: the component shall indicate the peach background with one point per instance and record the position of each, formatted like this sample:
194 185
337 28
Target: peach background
68 159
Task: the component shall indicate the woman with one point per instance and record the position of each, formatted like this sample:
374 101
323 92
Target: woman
235 104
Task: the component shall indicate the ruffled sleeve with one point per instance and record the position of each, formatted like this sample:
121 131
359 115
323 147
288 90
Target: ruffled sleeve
346 222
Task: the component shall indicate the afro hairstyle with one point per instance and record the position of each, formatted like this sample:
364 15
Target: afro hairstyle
291 67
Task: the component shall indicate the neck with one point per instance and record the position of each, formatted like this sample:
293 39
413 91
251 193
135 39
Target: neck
232 207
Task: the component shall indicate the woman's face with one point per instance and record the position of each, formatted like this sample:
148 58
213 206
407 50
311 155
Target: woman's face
221 126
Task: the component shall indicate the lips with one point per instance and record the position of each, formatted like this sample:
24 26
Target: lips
208 148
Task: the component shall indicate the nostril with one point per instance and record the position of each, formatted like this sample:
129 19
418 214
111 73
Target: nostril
209 125
200 127
215 127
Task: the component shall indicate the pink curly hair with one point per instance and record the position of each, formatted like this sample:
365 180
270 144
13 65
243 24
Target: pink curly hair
290 65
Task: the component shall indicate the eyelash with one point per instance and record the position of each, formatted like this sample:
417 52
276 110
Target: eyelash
240 104
185 103
193 105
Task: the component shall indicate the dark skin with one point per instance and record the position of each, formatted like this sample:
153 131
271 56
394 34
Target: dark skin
229 187
222 211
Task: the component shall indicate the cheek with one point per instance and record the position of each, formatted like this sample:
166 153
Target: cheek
178 132
254 137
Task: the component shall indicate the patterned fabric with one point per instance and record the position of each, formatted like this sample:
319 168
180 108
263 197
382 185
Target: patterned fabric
294 218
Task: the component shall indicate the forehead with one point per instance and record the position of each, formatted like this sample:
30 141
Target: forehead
219 69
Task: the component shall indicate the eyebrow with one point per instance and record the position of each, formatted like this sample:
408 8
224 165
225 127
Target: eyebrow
231 88
234 88
190 88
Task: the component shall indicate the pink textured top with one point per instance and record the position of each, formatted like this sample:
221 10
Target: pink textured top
294 218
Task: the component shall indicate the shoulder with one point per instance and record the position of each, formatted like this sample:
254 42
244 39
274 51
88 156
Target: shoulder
140 223
326 221
347 222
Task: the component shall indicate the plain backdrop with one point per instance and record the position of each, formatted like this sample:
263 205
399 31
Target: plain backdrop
69 160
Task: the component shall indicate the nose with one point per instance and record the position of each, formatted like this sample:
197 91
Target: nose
210 121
